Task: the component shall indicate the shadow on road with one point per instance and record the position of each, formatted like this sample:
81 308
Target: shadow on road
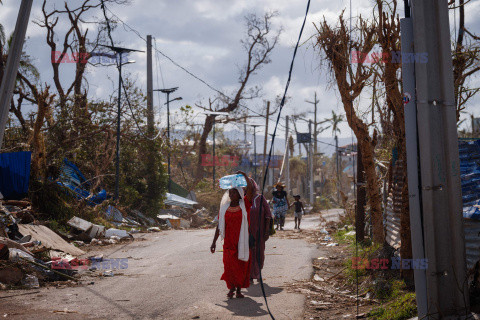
246 307
255 290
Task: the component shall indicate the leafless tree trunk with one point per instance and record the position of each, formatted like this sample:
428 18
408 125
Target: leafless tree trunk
336 44
259 43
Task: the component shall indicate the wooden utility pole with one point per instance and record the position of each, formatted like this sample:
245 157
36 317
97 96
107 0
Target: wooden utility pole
361 198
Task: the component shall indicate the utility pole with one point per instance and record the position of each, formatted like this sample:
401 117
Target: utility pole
337 165
266 140
411 143
361 197
150 161
287 156
310 163
150 119
13 61
119 53
441 198
214 114
315 123
255 149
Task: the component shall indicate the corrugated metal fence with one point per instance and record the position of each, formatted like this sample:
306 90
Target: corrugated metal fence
470 175
394 207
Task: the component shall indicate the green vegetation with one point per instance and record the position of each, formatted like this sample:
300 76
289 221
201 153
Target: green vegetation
401 308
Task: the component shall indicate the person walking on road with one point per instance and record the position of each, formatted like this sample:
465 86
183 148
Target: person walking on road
233 226
280 204
298 210
261 222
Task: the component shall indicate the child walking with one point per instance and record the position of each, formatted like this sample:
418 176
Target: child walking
298 211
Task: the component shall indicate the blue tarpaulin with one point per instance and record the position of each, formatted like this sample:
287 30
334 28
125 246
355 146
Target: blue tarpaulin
470 175
15 174
72 178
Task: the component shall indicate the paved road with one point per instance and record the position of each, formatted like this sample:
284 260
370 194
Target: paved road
172 275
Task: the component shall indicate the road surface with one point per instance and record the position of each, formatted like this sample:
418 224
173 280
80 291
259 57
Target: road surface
172 275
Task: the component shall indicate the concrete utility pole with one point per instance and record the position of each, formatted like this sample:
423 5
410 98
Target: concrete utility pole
266 139
315 123
150 161
150 119
13 61
287 156
418 252
447 285
310 156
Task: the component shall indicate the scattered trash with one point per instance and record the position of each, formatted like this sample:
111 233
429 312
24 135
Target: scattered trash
16 255
79 243
31 282
332 244
350 233
322 258
49 239
116 232
316 277
171 220
327 238
324 231
108 273
80 224
154 229
95 241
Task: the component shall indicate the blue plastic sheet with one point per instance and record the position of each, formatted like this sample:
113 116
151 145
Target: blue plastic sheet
470 176
73 179
15 174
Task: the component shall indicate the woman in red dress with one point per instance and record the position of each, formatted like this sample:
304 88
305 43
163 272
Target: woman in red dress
233 226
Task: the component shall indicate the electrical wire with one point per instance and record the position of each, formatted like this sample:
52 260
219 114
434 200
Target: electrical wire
282 103
137 33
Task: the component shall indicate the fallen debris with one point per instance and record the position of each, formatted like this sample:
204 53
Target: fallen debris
49 239
116 232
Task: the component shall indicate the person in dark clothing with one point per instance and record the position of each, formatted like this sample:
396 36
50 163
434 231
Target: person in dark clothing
298 210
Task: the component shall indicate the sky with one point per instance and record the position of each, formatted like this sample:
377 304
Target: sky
204 37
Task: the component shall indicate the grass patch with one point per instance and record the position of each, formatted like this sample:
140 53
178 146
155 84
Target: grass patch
342 238
402 308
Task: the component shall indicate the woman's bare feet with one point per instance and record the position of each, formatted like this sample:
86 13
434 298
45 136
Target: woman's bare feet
239 294
230 293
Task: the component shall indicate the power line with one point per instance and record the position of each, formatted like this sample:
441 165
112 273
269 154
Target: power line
136 32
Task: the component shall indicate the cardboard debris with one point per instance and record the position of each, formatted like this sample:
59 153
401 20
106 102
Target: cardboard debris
49 239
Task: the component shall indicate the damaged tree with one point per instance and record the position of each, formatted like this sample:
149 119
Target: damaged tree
337 45
258 44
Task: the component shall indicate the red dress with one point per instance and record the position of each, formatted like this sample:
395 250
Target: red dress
236 272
